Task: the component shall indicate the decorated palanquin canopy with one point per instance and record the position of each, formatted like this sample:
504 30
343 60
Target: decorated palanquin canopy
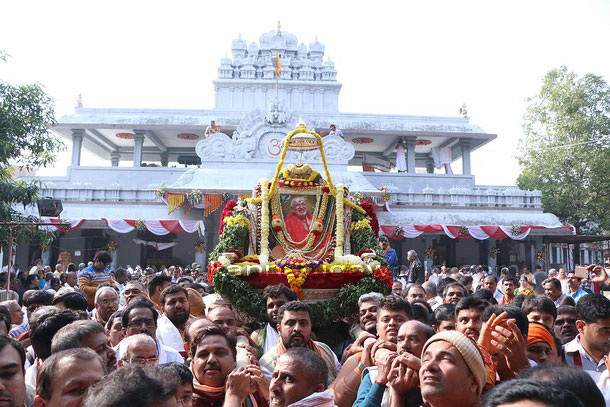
298 229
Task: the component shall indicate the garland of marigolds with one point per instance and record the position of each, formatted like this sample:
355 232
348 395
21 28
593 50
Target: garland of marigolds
345 303
340 233
280 163
363 238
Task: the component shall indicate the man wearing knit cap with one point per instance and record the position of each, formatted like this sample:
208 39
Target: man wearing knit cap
452 371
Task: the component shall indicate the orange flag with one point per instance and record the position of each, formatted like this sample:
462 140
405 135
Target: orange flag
278 65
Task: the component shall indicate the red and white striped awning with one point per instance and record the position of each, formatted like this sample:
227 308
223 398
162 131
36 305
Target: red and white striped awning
514 232
157 227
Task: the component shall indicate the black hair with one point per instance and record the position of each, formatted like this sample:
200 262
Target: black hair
44 328
410 287
395 303
138 302
120 271
592 307
74 300
422 312
41 297
116 314
443 312
293 306
30 278
514 391
570 378
172 289
132 386
71 335
514 281
180 370
274 291
46 373
7 340
470 303
103 257
566 309
555 281
518 300
513 312
5 316
157 281
486 295
540 303
443 283
212 331
311 364
454 284
465 280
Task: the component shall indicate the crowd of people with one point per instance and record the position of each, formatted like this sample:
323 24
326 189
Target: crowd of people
91 336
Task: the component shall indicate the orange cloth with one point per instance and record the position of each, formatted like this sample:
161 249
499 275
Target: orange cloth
538 333
490 366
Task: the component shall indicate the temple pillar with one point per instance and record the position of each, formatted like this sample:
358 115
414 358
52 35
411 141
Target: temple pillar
77 143
430 165
138 139
410 143
115 158
164 158
465 145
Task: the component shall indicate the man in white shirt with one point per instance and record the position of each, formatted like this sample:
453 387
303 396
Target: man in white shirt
587 350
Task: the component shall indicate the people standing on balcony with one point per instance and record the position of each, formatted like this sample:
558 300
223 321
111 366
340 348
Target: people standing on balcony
211 129
415 272
401 157
335 132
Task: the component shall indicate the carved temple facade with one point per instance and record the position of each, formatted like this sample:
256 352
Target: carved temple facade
150 152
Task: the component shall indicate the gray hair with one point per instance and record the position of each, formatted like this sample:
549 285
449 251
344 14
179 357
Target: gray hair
412 253
430 288
101 290
8 303
133 339
297 198
71 335
370 297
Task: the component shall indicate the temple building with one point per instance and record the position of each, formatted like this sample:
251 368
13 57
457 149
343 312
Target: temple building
170 172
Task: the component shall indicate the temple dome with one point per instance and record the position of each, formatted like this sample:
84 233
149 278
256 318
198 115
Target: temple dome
289 40
239 44
316 46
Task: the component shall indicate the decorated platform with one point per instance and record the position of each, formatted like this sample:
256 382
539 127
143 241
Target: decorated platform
301 230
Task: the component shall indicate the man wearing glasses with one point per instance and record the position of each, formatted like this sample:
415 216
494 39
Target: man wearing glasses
95 275
587 350
140 317
140 350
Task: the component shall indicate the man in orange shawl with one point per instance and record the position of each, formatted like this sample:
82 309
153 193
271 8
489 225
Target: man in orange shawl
298 222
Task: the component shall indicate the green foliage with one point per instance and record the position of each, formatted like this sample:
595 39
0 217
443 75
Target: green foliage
325 313
365 239
240 294
233 237
565 152
25 141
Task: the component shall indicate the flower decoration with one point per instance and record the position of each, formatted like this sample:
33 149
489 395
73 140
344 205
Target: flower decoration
43 246
160 193
227 211
237 220
195 197
112 245
140 225
385 275
199 247
515 230
386 194
358 197
463 231
370 211
398 231
317 227
540 256
361 224
339 211
430 252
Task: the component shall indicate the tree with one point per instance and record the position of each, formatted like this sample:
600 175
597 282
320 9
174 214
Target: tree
25 142
565 151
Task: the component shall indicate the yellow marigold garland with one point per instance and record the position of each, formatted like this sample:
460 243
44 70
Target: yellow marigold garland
237 220
361 224
340 233
264 257
297 282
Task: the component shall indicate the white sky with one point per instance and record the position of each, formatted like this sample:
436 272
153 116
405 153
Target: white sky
402 57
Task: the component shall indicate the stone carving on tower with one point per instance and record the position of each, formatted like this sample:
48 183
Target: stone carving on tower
276 114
